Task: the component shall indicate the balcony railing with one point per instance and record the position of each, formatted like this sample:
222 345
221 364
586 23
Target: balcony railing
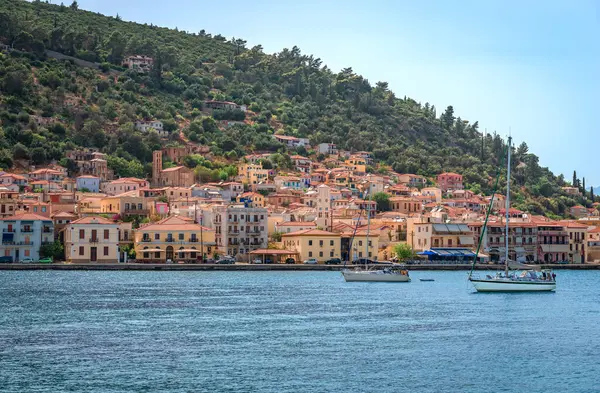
146 240
169 240
193 240
93 240
47 230
27 230
6 230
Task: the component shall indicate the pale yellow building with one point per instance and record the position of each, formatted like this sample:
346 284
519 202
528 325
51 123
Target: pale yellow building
313 243
128 203
173 193
92 239
359 244
252 173
423 235
174 238
357 164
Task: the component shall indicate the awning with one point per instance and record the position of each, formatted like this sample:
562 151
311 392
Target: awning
519 249
426 252
188 250
452 252
153 250
466 240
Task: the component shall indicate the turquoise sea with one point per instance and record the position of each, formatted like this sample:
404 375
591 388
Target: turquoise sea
71 331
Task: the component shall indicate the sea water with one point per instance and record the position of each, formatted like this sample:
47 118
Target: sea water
194 331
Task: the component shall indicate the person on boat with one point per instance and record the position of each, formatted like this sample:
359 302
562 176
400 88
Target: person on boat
553 276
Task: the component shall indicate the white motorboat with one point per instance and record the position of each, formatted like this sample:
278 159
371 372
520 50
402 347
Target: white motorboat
525 278
385 275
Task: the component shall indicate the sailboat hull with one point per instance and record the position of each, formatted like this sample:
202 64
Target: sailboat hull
512 286
374 276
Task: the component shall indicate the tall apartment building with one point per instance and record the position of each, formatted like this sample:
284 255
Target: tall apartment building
239 229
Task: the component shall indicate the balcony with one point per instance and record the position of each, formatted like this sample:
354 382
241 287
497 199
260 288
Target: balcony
234 233
27 230
146 240
193 240
47 230
6 230
93 240
169 240
553 233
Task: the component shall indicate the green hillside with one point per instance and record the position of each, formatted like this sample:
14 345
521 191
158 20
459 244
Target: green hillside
286 92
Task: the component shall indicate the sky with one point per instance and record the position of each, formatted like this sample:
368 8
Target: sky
527 66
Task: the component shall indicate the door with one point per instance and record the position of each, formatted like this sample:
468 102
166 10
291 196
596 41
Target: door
170 253
93 254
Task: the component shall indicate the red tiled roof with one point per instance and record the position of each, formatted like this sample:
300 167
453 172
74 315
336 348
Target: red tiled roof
26 217
311 232
296 224
179 223
93 220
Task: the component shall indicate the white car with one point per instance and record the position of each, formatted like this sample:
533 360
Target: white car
311 261
27 260
257 261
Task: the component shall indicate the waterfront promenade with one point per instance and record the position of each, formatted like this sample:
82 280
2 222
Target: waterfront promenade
259 267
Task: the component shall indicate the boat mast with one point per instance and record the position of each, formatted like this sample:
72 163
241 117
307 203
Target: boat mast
368 226
507 207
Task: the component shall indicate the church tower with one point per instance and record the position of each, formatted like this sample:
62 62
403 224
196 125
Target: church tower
157 165
323 205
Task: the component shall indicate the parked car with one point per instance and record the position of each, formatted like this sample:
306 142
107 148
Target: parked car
49 260
169 261
226 260
6 259
333 261
27 260
290 261
257 261
362 261
310 261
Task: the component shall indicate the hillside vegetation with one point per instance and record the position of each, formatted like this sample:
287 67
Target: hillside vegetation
286 92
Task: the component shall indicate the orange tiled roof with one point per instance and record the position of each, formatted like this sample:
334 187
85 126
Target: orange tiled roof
310 232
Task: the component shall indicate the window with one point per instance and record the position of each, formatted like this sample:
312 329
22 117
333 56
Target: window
81 250
321 243
106 234
331 242
181 236
105 251
331 254
320 253
157 236
27 253
310 242
310 253
82 233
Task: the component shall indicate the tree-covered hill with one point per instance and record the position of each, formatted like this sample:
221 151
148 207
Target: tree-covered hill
48 106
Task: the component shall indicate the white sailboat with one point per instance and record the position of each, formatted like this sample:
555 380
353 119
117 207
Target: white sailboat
393 273
525 278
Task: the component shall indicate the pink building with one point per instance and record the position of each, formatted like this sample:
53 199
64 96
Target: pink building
450 181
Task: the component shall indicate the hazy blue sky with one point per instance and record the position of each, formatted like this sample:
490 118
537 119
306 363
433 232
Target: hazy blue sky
529 65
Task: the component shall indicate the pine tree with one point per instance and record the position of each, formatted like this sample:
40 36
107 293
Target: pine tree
592 194
583 186
574 179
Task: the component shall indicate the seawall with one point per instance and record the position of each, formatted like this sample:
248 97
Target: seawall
252 267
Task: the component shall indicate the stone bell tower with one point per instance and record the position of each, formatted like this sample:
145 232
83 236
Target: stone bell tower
157 165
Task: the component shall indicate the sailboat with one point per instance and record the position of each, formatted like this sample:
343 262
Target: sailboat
394 273
516 277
